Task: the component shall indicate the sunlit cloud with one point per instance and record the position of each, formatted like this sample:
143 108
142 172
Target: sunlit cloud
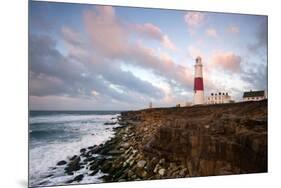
99 57
211 32
228 61
153 32
233 29
194 19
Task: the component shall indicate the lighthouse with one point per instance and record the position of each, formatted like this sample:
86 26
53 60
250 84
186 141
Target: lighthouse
198 82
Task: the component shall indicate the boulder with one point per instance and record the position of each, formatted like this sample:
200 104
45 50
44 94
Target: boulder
183 172
106 167
78 178
95 171
73 165
141 164
110 123
114 152
74 157
97 163
61 163
162 172
126 145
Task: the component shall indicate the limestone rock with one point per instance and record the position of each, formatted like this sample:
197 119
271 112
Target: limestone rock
162 172
141 164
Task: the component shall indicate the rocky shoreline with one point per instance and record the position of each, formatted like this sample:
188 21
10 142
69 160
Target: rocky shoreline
179 142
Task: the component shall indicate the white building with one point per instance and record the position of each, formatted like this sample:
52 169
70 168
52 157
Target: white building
254 95
219 98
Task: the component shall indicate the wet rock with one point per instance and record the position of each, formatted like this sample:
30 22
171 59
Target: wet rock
97 163
106 167
78 178
83 150
91 159
49 176
94 172
110 123
106 178
73 165
74 157
61 163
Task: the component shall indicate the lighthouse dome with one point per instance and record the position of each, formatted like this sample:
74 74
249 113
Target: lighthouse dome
198 60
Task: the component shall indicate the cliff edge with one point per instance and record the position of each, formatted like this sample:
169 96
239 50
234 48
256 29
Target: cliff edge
203 140
179 142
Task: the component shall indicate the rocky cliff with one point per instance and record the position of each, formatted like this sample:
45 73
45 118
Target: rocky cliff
180 142
204 140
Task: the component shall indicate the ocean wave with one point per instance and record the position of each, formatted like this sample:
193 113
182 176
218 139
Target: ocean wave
63 118
45 154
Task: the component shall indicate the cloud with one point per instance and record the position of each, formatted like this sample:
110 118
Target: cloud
52 74
153 32
194 52
233 29
126 51
90 69
71 36
43 85
211 32
194 19
168 43
149 30
227 61
255 77
105 30
261 36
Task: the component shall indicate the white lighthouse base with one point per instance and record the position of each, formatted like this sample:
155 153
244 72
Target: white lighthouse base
198 97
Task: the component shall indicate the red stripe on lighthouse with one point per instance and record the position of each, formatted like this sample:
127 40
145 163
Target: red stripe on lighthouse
198 84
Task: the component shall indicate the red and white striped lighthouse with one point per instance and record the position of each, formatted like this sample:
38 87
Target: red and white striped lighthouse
198 82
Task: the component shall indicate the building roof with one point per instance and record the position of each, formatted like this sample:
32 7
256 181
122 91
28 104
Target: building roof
253 94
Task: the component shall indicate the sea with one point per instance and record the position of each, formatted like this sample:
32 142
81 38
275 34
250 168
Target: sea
59 135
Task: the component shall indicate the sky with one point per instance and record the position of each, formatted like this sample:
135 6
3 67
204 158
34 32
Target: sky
93 57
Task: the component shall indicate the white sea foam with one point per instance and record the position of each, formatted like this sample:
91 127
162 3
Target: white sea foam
64 118
45 156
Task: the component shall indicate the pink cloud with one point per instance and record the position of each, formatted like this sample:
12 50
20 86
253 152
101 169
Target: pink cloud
161 64
151 31
211 32
227 61
111 38
194 19
74 43
194 52
168 43
233 29
105 30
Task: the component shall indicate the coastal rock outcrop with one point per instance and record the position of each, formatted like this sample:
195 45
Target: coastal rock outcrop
212 140
161 143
